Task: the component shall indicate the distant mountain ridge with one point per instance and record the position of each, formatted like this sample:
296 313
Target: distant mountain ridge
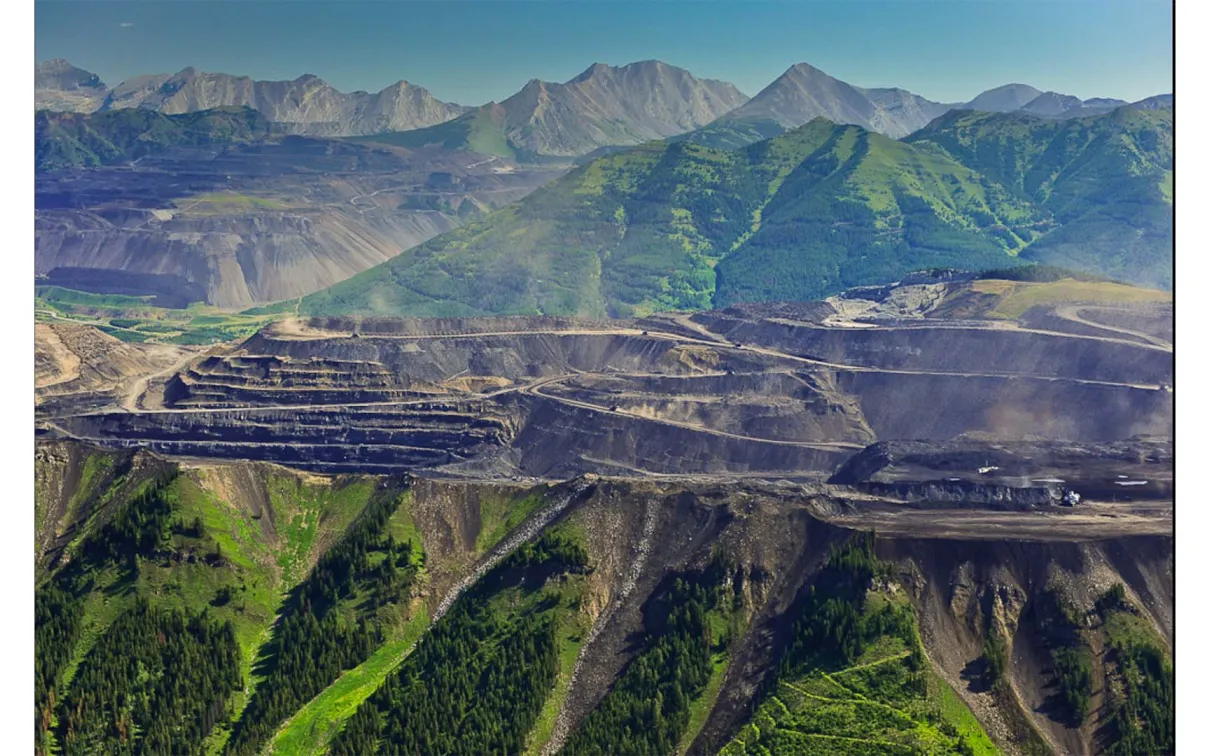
607 105
603 107
306 105
804 93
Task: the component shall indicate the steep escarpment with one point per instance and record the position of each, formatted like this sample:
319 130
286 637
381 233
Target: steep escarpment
970 592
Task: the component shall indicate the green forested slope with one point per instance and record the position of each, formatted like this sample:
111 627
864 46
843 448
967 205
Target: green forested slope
245 609
73 140
647 711
806 214
862 208
478 681
331 622
149 619
643 230
1104 182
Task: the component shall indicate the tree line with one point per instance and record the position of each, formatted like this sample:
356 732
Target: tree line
478 680
135 529
327 624
156 683
647 709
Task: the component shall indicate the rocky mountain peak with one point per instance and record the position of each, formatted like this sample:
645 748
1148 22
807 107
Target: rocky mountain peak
60 74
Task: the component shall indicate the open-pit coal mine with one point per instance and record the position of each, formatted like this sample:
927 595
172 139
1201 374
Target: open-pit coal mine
988 500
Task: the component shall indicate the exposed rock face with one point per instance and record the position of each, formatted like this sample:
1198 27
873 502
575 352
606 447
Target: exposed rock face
604 106
133 91
804 93
1052 104
59 74
58 85
609 105
1026 99
905 110
306 105
1055 105
1004 98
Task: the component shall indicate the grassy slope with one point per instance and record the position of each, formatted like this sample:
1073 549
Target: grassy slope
866 708
1105 182
499 514
559 597
570 634
701 706
1015 297
680 225
69 140
258 566
312 728
733 134
903 208
481 130
308 517
138 319
643 230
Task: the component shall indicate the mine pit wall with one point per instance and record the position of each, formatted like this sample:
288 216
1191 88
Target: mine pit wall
511 355
559 440
902 406
958 350
963 495
322 439
404 326
1157 321
776 406
1044 318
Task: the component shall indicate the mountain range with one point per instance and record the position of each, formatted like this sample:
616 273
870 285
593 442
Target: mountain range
821 208
307 104
605 106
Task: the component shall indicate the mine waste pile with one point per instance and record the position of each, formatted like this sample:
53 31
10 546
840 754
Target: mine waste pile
931 518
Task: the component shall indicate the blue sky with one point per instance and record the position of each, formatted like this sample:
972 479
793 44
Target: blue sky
472 51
